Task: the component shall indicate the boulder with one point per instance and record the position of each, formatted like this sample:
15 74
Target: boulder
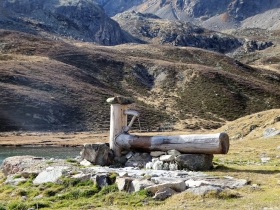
167 158
137 185
178 186
82 176
102 179
195 162
51 174
164 193
123 183
138 160
15 164
97 154
203 190
269 132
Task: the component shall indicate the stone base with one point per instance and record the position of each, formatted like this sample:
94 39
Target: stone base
195 162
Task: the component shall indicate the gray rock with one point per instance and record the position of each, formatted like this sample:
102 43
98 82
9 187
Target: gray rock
86 163
85 21
165 166
123 183
164 193
102 179
139 160
158 165
167 158
265 159
137 185
129 155
173 166
51 174
276 119
149 165
229 182
192 183
157 153
97 154
253 127
203 190
82 176
13 181
123 174
269 132
173 152
196 162
15 164
178 186
38 197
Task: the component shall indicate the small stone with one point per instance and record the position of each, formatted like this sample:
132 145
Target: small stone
85 163
149 165
129 155
82 176
276 119
165 166
173 152
38 197
173 166
164 193
203 190
123 174
192 183
167 158
124 183
158 165
265 159
157 153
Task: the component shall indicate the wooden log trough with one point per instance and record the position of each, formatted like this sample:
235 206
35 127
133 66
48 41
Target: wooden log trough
121 140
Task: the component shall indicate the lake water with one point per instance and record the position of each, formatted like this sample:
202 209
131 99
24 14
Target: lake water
47 152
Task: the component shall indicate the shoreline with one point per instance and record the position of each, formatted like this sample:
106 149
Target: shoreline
70 139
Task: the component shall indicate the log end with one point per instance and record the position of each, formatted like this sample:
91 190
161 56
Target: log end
224 140
120 100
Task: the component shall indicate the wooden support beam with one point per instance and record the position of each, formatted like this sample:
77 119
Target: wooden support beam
197 143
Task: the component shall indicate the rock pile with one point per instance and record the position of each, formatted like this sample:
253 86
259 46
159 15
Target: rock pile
161 183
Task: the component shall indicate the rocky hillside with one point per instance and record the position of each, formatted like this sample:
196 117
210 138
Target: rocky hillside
152 29
53 85
79 19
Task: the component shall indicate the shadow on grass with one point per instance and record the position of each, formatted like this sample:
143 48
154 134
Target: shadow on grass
222 168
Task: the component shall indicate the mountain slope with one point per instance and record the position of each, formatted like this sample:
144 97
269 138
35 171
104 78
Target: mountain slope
51 85
78 19
152 29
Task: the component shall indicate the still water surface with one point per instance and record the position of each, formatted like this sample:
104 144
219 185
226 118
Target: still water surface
47 152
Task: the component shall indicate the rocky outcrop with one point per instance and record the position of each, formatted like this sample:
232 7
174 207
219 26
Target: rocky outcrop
78 19
252 45
152 29
97 154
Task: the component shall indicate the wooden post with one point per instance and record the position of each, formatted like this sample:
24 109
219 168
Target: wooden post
118 120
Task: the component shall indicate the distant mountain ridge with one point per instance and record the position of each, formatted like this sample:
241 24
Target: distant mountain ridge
214 14
79 19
